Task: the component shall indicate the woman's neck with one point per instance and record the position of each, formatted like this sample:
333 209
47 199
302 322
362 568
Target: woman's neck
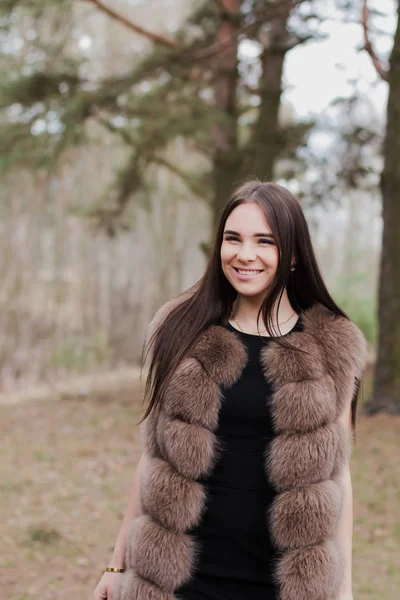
246 309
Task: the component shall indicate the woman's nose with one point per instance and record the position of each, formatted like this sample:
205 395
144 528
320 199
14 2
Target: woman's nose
246 254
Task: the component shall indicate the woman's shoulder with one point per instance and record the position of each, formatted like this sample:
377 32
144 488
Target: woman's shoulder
339 335
165 309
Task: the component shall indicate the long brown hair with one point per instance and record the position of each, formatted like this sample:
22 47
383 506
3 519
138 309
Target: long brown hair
210 300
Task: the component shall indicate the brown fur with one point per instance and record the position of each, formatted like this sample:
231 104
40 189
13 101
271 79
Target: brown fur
196 460
288 410
160 549
202 396
170 498
306 515
303 461
310 572
300 459
133 587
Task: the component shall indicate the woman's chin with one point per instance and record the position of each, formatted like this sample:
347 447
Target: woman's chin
250 291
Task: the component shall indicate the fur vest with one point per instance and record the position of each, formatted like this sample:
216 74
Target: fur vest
303 462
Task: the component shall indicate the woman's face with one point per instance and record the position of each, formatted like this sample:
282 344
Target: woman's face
249 255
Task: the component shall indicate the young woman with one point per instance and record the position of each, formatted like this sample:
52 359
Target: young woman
243 491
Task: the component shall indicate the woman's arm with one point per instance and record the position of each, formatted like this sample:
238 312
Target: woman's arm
345 527
118 556
345 535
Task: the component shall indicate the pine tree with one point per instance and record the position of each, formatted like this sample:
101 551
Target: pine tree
386 392
195 89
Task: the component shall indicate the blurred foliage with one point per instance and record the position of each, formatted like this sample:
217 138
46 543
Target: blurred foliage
51 95
361 308
79 353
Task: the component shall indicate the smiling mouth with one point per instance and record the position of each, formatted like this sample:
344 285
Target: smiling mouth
248 271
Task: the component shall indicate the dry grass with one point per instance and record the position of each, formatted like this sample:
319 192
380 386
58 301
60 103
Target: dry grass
376 485
66 468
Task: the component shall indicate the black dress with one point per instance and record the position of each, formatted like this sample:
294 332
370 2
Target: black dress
236 555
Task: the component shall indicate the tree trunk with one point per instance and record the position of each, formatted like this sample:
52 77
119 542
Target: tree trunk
386 393
226 163
268 141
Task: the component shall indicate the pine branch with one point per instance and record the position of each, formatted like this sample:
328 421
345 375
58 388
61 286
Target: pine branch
384 73
299 40
272 11
154 37
194 184
121 131
37 6
128 181
37 87
144 151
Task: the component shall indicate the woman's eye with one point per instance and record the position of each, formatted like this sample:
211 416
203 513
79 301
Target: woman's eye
231 238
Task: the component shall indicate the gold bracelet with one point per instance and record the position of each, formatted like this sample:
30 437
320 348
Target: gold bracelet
114 570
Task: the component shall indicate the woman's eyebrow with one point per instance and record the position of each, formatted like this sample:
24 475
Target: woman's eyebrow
231 232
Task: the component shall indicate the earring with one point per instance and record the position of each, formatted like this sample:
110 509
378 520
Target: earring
292 269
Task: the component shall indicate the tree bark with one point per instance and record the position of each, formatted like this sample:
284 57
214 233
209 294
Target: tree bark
386 392
226 161
268 140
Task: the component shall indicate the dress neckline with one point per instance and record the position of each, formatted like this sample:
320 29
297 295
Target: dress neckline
265 337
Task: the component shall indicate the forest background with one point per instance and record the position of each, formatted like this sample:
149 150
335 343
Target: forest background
123 128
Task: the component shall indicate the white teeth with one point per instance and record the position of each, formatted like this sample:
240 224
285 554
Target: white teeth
243 272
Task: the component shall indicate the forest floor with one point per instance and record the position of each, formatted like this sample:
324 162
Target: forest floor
65 474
